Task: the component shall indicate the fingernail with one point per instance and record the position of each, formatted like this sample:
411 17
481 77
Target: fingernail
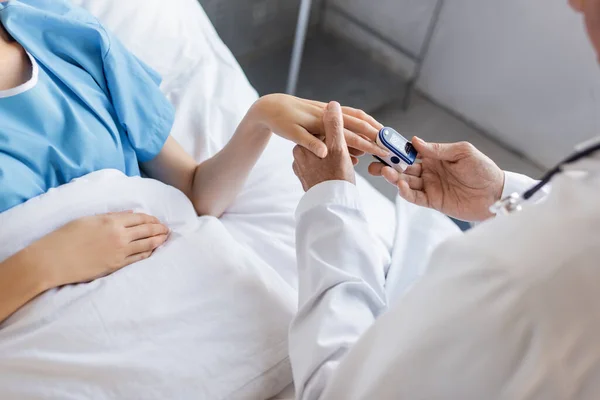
387 174
334 106
322 152
385 153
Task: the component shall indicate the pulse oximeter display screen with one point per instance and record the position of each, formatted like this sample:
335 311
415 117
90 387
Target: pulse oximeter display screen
399 143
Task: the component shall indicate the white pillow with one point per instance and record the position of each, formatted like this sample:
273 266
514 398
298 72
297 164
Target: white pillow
200 75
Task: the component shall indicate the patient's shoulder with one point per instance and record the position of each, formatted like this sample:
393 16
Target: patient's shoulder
62 8
32 17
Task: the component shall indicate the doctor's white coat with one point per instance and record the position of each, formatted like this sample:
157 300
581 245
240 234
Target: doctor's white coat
509 310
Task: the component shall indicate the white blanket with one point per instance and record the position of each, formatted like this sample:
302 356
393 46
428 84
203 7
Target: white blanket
182 324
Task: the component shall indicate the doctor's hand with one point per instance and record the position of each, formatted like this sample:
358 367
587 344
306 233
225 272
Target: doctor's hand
337 165
454 178
301 121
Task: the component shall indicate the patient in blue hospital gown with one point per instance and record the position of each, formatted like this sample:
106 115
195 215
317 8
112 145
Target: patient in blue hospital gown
74 100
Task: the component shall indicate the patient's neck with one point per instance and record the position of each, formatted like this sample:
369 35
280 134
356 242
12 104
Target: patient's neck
15 67
4 36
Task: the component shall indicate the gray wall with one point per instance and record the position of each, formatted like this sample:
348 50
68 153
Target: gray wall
522 70
251 27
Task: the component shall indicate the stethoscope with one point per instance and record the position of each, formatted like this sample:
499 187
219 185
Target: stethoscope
514 202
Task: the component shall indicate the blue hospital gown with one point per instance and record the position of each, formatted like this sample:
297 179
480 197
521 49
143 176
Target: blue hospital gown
93 104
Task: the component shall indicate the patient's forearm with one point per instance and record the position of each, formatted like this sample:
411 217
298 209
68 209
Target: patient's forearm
21 279
218 181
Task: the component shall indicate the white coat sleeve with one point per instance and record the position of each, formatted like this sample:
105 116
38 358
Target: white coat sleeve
518 183
341 284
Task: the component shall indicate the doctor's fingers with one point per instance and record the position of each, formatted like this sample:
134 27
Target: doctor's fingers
376 169
295 169
298 174
414 170
335 134
394 177
417 197
301 154
414 183
577 4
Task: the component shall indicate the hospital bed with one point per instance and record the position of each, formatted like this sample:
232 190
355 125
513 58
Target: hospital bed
206 317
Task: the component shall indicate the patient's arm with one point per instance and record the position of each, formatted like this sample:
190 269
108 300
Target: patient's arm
22 278
213 185
81 251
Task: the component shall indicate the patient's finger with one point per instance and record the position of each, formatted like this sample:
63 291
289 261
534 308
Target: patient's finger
137 257
356 152
355 160
146 231
309 142
361 127
354 112
375 168
133 219
145 245
120 212
358 142
412 196
357 113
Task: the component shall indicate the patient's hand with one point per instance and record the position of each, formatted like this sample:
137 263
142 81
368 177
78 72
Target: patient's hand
301 121
456 179
92 247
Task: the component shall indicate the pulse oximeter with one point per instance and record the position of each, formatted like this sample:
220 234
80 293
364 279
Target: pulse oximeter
402 153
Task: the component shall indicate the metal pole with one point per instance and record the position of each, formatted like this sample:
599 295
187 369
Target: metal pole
301 29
